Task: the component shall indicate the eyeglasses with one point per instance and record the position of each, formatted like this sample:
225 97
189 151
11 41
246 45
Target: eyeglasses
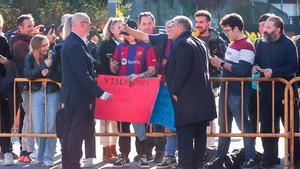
227 30
90 24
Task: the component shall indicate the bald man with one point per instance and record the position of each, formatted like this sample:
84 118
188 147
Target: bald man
78 91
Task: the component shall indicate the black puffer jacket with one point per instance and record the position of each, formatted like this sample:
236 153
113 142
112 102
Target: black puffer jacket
4 51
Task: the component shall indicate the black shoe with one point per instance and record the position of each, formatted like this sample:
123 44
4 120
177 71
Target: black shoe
143 163
158 158
168 162
268 164
216 162
136 158
121 161
297 163
249 164
149 157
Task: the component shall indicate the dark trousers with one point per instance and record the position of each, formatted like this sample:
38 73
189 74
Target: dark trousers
124 142
158 142
270 145
6 112
90 143
90 147
78 125
191 145
253 108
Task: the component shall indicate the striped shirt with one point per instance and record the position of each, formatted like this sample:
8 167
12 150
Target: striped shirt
240 53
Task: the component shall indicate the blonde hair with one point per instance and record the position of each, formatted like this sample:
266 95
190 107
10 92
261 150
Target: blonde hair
67 27
1 21
109 25
35 46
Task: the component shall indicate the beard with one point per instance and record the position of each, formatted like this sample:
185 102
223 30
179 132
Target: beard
269 37
202 30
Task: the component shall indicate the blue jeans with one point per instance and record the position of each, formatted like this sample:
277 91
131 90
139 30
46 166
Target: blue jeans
46 146
171 144
234 111
140 130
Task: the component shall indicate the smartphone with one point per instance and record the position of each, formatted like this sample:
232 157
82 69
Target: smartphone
50 53
45 30
111 56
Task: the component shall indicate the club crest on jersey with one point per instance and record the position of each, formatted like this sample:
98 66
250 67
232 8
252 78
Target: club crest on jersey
124 61
139 53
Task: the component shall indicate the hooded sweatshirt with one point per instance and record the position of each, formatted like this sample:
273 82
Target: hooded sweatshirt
20 48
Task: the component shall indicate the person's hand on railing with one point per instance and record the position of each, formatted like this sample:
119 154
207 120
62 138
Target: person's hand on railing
268 73
45 72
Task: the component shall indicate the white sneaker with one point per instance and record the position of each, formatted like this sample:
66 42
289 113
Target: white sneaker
35 161
88 162
48 163
33 154
8 159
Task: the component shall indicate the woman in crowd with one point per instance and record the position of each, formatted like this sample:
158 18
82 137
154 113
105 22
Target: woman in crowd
112 38
45 96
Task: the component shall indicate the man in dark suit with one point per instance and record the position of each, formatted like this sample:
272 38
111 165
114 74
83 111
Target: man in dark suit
78 91
188 83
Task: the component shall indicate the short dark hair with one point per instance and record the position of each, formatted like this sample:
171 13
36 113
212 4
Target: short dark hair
264 17
204 13
233 20
278 22
23 17
142 14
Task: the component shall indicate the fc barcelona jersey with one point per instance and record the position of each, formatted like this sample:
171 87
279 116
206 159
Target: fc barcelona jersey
134 58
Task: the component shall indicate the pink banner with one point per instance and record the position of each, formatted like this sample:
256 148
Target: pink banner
130 103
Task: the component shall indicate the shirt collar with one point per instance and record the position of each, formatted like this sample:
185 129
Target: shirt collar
83 39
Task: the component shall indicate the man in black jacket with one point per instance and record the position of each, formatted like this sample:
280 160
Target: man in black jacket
187 80
216 46
276 55
78 91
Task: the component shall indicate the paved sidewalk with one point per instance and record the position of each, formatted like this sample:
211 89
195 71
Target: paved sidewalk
236 143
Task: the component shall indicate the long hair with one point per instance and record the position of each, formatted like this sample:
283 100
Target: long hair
67 27
35 46
109 25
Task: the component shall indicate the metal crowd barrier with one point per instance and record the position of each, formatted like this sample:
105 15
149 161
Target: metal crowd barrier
288 114
288 102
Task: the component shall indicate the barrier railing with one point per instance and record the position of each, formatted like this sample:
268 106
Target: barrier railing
288 102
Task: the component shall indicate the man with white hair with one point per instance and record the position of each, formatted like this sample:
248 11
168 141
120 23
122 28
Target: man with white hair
78 91
192 97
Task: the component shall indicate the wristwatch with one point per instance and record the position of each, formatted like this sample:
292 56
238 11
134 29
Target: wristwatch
222 63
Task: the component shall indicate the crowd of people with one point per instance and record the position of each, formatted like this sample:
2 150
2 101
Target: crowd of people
183 57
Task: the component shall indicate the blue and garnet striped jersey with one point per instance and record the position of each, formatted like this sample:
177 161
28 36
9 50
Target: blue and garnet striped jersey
134 58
